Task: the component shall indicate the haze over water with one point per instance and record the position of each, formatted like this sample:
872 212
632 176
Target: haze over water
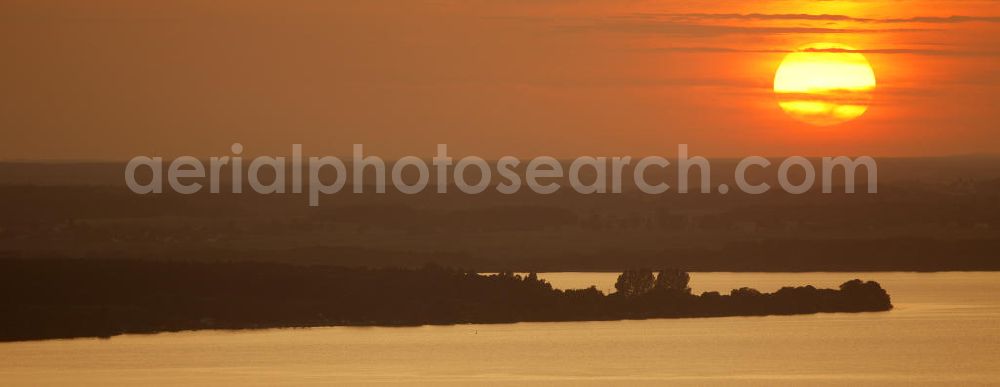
945 328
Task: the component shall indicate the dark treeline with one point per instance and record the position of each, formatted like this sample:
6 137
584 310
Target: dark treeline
953 224
62 298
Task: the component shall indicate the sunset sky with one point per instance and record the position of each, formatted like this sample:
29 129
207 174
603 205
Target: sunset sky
108 80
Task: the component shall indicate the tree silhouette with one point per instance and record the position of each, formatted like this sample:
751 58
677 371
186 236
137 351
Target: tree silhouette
634 282
745 292
673 281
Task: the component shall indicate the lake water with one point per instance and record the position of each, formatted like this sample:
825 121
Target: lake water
945 329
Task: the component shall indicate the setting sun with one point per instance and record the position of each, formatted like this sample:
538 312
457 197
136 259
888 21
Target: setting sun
824 84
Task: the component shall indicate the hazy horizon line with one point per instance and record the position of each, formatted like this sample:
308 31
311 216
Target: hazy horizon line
568 158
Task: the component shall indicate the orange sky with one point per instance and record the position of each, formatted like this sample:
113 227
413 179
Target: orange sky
108 80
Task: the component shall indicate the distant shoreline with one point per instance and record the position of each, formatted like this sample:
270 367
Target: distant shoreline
49 299
798 272
935 215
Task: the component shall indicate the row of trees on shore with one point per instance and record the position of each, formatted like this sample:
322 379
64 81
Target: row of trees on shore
641 281
57 298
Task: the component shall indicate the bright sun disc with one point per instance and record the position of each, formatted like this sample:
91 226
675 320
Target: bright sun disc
824 84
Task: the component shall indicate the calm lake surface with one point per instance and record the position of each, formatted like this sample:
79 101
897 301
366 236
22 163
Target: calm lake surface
945 329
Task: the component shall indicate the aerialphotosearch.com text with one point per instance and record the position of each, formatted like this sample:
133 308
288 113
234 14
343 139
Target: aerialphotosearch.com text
326 175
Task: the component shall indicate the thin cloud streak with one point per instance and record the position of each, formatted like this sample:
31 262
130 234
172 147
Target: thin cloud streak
713 30
916 51
907 51
953 19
